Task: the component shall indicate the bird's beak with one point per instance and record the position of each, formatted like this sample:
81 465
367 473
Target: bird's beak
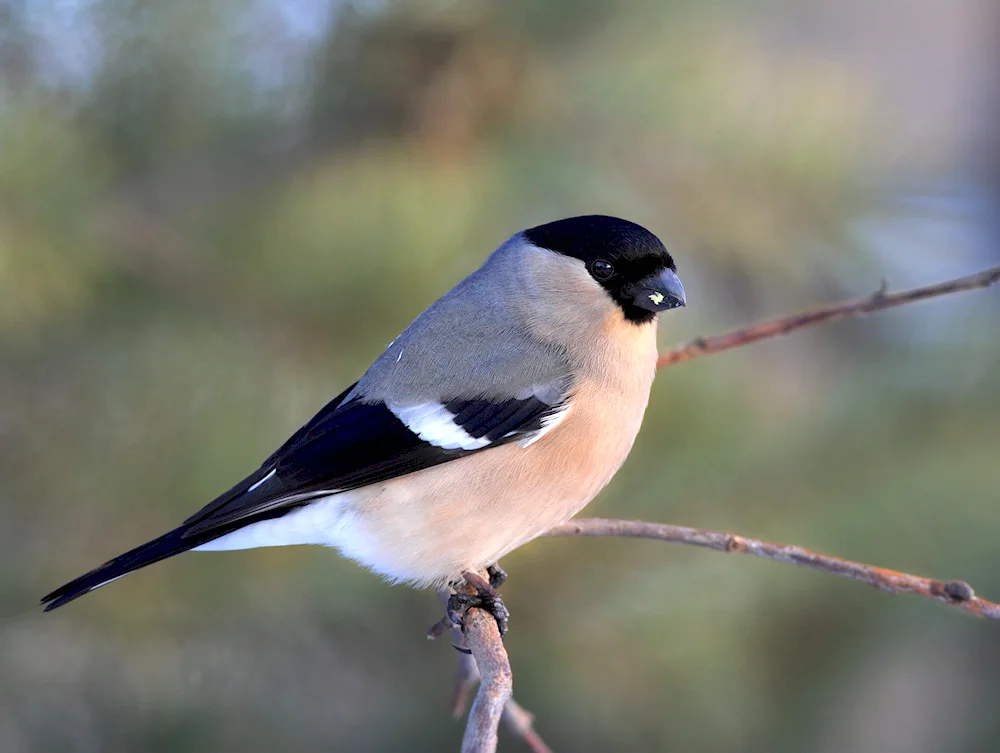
660 292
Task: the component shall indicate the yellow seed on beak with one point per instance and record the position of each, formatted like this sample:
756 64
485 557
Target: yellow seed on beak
656 298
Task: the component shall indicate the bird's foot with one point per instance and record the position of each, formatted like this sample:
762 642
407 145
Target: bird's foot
498 576
486 597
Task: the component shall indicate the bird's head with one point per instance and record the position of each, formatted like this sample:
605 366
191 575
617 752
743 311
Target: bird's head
627 261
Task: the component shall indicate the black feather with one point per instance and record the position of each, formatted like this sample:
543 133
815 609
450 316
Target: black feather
182 539
496 419
167 545
266 467
357 445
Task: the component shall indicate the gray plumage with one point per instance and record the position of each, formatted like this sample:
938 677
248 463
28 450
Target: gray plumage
486 308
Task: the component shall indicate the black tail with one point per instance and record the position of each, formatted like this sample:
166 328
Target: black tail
167 545
192 533
179 540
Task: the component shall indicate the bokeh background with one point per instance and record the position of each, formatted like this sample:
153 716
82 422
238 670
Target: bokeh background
214 215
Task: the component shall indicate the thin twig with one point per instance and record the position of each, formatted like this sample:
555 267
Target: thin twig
955 593
520 721
466 678
877 301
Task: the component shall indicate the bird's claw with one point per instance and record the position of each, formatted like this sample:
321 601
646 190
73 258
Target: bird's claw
486 598
498 576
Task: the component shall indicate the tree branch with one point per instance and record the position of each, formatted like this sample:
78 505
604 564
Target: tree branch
482 637
877 301
481 728
520 722
955 593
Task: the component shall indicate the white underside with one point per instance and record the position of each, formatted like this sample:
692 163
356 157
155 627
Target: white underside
320 522
331 521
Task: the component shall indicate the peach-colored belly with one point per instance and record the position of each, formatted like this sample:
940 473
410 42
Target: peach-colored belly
430 526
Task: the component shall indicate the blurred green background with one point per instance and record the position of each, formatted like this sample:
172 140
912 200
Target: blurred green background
214 215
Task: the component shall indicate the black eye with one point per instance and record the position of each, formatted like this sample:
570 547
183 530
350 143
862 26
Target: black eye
602 270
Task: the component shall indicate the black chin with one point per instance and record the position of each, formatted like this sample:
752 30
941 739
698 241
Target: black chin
636 314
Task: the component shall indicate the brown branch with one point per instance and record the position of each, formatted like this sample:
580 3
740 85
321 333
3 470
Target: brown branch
482 636
481 729
877 301
466 678
518 719
520 722
955 593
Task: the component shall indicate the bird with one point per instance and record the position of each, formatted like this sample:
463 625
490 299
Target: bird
500 412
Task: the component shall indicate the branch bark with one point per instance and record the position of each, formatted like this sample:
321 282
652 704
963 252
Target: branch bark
877 301
482 637
955 593
521 723
481 729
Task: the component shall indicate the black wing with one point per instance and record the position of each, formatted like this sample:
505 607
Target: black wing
364 443
345 446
